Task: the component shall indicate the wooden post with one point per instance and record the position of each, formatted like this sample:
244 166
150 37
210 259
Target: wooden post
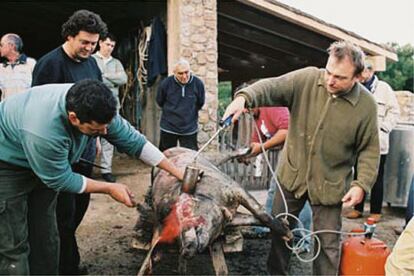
217 257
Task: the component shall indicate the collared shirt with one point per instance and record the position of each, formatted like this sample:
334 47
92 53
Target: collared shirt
16 77
327 135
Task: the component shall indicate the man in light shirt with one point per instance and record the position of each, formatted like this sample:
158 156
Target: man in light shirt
16 70
113 76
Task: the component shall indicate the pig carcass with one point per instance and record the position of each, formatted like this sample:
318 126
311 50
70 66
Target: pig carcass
197 219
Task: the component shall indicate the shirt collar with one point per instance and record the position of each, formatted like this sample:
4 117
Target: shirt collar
184 84
21 60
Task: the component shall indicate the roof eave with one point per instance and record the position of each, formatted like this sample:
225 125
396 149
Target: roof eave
318 26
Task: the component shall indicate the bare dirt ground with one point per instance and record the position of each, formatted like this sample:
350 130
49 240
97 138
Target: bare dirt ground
106 234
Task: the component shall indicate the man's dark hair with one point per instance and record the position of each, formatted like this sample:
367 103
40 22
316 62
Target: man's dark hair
111 37
91 100
84 20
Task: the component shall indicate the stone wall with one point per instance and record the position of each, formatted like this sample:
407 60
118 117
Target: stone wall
192 34
406 102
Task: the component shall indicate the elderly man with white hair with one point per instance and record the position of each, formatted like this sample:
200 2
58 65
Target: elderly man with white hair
16 70
180 97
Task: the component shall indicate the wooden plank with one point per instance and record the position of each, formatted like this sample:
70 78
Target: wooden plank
217 257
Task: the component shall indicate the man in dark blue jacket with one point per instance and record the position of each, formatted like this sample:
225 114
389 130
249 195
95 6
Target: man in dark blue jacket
180 97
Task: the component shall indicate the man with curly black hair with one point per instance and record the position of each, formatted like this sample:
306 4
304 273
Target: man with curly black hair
69 63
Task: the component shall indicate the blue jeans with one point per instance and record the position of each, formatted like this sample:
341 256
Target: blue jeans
305 216
270 196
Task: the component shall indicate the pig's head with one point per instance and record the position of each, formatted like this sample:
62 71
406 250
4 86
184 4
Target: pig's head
196 239
197 223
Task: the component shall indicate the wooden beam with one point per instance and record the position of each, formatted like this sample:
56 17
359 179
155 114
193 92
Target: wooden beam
241 70
275 25
264 38
317 26
254 57
228 38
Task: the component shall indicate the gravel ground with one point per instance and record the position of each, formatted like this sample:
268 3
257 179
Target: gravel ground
106 233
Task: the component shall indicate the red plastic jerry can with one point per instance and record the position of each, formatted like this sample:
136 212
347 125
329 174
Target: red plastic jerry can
364 255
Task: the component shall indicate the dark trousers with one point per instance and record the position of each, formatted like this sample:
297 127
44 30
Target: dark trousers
169 140
29 240
377 191
324 218
70 211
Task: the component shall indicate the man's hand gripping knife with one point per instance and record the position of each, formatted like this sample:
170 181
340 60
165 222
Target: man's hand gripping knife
117 191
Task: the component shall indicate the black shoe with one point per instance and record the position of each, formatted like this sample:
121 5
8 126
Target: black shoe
109 177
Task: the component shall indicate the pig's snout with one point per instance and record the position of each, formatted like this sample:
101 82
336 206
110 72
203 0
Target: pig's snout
189 243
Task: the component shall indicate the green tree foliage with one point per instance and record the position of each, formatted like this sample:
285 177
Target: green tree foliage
224 95
400 74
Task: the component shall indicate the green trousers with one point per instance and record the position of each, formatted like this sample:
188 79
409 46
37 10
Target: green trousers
29 240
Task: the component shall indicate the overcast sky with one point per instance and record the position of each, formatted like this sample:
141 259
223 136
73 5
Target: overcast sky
380 21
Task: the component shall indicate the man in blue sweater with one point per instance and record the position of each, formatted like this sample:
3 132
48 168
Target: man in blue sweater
42 133
180 97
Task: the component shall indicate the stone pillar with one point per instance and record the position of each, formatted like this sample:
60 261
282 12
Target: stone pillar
192 34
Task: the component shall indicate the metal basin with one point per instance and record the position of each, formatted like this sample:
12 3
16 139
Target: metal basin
399 166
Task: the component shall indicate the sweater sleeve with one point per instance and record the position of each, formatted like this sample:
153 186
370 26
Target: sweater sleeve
49 161
124 137
278 91
161 94
119 77
201 95
368 153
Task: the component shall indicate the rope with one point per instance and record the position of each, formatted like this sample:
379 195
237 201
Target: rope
143 56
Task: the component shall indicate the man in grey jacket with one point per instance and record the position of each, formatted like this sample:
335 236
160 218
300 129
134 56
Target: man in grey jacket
388 114
333 126
113 76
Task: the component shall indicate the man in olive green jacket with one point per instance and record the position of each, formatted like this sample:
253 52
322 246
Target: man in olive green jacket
333 126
